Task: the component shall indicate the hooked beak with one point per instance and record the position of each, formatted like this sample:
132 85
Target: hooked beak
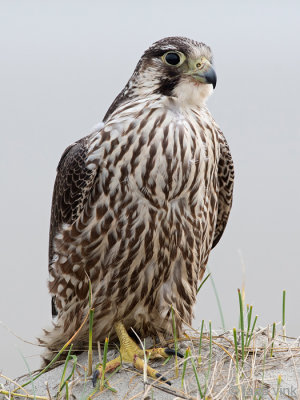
203 72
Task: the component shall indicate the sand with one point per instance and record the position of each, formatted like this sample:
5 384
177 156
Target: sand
258 376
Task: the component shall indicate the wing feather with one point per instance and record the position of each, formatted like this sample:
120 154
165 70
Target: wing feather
72 185
225 180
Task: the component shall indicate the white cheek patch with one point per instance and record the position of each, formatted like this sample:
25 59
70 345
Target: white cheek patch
192 93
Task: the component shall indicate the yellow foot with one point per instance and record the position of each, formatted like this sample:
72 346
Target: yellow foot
130 352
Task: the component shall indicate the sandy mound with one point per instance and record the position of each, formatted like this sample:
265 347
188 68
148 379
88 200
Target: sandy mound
216 372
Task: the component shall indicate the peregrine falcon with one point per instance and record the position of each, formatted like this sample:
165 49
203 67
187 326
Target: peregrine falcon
139 203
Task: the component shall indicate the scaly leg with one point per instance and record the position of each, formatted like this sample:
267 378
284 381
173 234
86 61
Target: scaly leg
132 353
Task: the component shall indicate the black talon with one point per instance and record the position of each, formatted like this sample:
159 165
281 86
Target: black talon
95 377
162 378
172 352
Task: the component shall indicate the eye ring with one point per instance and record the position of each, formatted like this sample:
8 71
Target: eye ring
173 58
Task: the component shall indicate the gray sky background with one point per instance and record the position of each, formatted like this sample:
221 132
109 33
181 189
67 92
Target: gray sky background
61 65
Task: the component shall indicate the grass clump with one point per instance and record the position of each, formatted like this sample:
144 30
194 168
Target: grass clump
231 364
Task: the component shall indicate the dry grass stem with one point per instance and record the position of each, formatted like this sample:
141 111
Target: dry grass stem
238 364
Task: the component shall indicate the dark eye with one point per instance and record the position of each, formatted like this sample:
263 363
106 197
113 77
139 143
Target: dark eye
175 58
172 58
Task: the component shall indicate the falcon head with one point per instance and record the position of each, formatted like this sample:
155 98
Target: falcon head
174 66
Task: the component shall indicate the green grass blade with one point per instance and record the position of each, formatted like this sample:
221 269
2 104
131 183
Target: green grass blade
197 377
218 300
186 355
47 366
67 390
167 360
106 385
90 351
242 325
273 336
210 359
252 330
283 313
62 379
202 283
90 292
72 371
236 350
249 318
104 363
200 342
